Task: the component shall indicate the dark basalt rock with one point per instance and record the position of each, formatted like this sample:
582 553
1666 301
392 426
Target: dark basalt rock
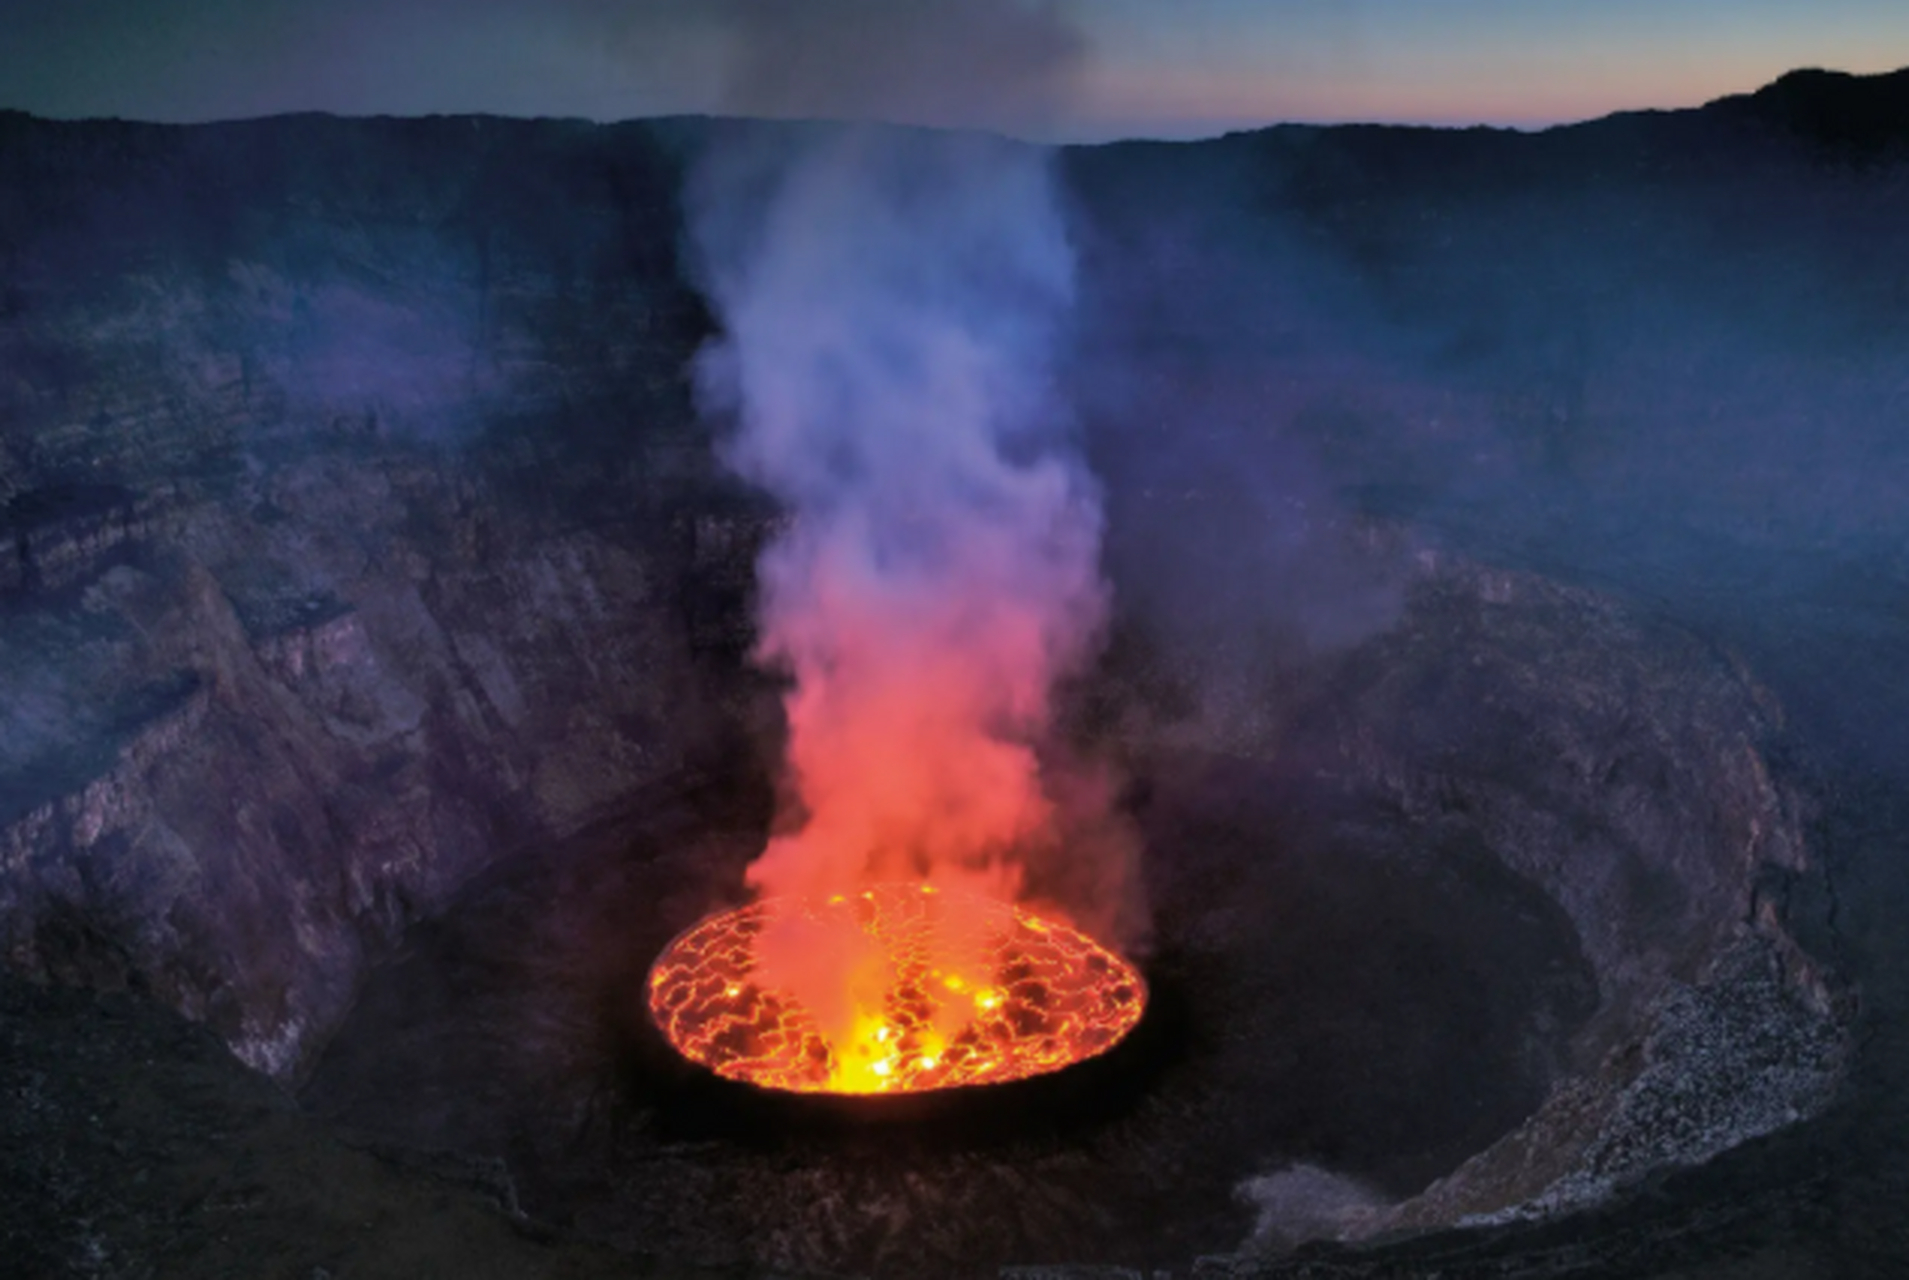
371 634
1620 767
131 1144
324 578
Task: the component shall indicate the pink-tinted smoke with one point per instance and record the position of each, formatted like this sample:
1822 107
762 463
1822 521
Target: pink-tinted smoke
891 303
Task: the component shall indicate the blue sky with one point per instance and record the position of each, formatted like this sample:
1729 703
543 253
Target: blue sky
1107 67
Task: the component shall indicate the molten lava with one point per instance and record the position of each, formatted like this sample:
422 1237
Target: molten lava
893 989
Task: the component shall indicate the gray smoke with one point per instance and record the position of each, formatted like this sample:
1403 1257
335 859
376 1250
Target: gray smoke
972 63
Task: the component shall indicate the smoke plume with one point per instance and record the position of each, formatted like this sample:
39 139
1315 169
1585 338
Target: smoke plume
892 302
975 63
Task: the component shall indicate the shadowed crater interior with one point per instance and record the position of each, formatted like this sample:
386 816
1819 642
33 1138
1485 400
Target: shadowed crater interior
375 629
1365 961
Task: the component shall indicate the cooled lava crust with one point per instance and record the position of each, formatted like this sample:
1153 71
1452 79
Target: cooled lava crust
929 989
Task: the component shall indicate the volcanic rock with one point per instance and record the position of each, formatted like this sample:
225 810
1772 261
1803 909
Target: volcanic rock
368 595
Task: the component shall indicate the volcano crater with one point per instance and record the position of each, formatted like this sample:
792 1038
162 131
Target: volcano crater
1478 919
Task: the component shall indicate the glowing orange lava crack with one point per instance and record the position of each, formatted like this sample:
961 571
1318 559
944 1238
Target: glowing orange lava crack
922 988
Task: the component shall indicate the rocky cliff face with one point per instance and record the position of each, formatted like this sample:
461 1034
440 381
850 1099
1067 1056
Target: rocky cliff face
1627 769
358 530
1631 773
351 491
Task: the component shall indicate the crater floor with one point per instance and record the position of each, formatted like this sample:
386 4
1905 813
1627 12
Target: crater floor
1325 990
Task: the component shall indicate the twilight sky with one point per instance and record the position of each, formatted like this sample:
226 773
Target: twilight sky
1047 68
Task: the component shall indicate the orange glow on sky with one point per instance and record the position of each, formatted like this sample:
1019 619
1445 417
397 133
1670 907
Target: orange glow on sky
1516 75
1139 68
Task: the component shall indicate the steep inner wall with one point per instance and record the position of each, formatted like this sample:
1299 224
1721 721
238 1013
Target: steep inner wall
1622 767
359 530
